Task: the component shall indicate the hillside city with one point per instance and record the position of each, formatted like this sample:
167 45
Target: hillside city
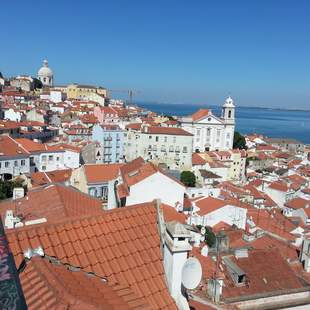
106 205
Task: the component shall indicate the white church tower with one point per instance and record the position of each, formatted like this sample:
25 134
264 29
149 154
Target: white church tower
228 117
45 74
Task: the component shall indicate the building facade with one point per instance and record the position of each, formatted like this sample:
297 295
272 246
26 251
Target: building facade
211 132
167 146
111 138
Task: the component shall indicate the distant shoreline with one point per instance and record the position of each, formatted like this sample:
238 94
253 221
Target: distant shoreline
243 106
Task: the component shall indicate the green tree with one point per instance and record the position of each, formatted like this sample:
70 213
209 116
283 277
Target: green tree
37 84
188 178
239 141
6 188
210 238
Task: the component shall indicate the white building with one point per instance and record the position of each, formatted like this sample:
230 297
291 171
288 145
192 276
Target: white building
160 145
14 159
211 132
45 74
142 182
209 211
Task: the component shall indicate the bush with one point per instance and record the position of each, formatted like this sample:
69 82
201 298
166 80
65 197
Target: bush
188 178
6 188
210 238
239 141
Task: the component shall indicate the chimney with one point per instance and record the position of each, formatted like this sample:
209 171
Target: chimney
176 249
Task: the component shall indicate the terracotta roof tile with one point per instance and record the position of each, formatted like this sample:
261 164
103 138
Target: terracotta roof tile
55 203
201 113
117 258
101 173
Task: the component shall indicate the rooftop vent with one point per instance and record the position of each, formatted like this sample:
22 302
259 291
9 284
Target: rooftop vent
133 173
237 274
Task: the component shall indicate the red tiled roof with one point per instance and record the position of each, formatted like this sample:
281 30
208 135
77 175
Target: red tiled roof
101 173
89 119
9 147
33 147
220 226
174 131
201 113
56 176
53 202
134 126
141 173
274 222
65 146
279 186
265 147
297 203
121 245
171 214
266 272
295 178
209 204
197 159
51 286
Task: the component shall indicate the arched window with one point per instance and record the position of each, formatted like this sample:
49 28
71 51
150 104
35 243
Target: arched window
229 114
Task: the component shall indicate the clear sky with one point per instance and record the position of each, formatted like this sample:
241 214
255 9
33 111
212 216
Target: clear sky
177 51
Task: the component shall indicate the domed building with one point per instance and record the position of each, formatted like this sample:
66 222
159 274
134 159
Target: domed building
45 74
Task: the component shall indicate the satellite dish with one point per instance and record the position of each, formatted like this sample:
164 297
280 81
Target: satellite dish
191 273
203 230
205 250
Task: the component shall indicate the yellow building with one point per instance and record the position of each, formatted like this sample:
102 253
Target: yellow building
82 92
76 91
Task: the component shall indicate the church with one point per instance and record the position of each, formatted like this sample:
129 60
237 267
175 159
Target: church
211 132
45 75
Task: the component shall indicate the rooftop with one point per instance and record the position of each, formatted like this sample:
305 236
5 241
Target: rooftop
121 245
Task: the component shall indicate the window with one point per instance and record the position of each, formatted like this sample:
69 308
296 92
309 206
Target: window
229 114
50 157
165 139
174 139
208 132
228 135
7 164
209 119
43 157
150 137
171 148
43 167
57 158
156 138
198 132
15 163
184 149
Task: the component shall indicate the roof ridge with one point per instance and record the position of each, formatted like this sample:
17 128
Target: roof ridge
76 218
19 144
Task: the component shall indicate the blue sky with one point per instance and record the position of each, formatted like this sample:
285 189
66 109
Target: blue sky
173 51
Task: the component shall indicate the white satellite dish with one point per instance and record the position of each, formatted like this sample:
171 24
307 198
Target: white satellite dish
203 230
205 250
191 273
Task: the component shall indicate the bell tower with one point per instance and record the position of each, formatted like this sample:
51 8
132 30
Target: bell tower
228 111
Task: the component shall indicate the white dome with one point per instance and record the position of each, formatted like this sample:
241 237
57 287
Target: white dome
45 71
